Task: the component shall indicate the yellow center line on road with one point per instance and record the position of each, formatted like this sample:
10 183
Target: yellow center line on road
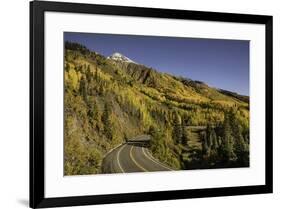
151 158
118 161
133 159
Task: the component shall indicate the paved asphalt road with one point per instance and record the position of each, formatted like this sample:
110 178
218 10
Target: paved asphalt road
131 158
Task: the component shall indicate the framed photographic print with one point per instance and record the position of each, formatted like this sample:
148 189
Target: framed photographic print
135 104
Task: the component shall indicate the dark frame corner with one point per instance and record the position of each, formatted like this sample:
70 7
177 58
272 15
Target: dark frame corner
37 197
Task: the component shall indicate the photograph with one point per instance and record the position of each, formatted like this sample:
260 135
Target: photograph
150 103
134 104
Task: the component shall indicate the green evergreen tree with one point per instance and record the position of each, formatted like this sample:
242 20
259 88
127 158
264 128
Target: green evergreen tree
177 131
101 89
83 88
89 75
185 136
96 77
94 113
205 146
226 150
241 148
242 152
214 146
106 119
209 131
214 140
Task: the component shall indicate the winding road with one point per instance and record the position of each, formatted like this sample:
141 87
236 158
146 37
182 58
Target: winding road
130 157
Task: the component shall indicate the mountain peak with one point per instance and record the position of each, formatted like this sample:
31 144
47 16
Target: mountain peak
120 57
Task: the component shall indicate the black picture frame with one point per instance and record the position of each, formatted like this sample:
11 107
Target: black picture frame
37 115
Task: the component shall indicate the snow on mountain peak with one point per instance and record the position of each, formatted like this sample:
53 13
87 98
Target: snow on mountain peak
120 57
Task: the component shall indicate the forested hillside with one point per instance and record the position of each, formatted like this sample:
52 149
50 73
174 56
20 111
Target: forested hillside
107 101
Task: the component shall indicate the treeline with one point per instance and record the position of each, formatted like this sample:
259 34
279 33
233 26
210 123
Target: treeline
76 47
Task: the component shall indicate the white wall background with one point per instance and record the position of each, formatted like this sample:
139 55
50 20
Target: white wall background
14 102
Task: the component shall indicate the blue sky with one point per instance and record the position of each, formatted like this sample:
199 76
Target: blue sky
219 63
